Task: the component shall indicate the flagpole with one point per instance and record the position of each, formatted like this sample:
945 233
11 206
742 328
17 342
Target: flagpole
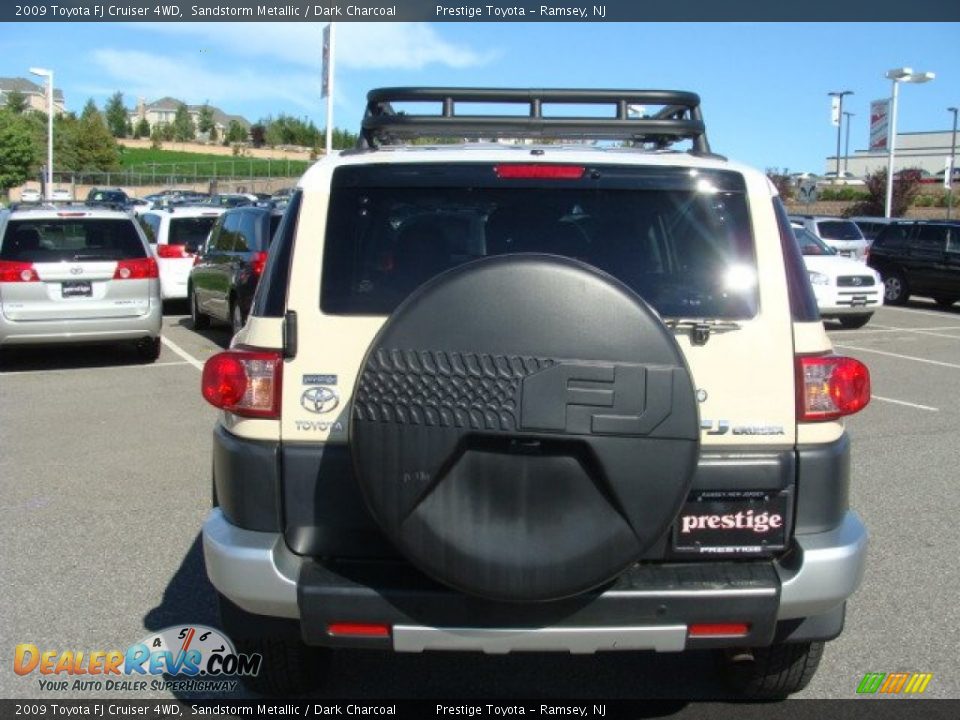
329 68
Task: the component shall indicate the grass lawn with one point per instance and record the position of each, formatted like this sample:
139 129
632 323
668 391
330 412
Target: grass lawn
164 163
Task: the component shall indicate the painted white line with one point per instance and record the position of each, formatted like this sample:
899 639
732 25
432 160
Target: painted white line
904 402
181 352
942 315
898 355
921 331
111 367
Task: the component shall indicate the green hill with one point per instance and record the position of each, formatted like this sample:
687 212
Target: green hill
164 163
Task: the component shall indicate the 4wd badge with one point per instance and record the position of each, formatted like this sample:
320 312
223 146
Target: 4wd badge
319 400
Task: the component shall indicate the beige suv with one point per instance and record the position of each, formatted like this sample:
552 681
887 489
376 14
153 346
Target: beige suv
541 395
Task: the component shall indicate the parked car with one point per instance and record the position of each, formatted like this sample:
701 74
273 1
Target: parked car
871 226
230 200
30 196
113 197
539 398
175 235
846 290
839 233
919 258
227 270
83 275
845 178
61 195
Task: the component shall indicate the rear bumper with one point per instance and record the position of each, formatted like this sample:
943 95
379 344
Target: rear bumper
86 330
649 607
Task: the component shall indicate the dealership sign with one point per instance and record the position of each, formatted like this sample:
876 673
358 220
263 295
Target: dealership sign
880 124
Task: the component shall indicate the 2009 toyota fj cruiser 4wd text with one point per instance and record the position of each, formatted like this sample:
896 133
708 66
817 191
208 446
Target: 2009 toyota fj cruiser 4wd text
565 396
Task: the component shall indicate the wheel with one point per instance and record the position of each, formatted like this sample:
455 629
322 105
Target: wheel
149 349
237 320
852 322
289 667
945 302
197 318
895 288
770 673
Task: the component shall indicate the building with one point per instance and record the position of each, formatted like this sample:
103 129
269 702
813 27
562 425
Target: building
924 150
162 112
36 95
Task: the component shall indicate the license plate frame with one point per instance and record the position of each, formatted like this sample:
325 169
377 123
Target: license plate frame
76 289
708 523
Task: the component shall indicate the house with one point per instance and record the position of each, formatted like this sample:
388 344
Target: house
36 95
162 112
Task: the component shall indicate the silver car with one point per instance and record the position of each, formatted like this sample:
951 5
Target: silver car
839 233
77 274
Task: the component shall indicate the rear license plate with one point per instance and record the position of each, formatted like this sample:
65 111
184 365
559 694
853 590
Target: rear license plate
731 522
77 288
858 301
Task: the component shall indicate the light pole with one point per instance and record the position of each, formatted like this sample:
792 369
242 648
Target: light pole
48 74
897 76
953 160
839 94
846 146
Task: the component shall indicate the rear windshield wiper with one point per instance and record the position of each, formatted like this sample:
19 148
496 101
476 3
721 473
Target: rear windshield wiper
701 329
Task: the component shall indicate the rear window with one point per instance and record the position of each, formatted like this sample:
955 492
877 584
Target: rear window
106 196
839 230
274 224
682 241
71 240
190 231
810 244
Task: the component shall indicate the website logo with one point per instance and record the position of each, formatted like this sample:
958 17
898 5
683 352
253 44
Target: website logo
899 683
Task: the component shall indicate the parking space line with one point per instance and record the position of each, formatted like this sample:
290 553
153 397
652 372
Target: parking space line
898 355
920 331
182 353
904 402
941 315
110 367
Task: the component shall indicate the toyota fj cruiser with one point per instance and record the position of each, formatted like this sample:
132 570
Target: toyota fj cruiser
541 396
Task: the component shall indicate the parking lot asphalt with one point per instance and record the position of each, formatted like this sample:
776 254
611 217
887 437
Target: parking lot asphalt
105 480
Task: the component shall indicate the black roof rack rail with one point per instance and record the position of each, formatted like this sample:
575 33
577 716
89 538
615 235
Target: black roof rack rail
678 117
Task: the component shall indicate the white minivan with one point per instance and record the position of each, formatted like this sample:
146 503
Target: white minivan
175 236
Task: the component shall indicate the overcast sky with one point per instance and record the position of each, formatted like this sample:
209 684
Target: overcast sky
764 86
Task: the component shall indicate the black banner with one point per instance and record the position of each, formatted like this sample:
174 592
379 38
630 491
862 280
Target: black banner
479 11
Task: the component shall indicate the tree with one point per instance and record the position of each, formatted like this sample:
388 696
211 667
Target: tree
17 102
906 186
90 111
116 115
205 120
18 149
93 144
782 182
236 132
183 127
142 128
156 137
258 135
212 135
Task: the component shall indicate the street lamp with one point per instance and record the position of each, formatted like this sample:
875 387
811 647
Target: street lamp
839 94
48 74
846 147
953 160
897 76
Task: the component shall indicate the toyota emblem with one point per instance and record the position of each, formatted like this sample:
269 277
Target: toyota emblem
76 271
319 400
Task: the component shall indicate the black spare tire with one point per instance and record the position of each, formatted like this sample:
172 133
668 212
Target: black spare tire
524 427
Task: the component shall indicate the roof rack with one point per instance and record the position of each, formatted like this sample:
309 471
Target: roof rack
678 117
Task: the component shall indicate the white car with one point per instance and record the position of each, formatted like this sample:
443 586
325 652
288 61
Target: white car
175 236
30 196
62 195
846 290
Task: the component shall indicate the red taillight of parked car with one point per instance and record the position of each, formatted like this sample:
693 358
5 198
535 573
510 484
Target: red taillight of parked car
258 262
137 269
830 386
13 271
244 382
172 251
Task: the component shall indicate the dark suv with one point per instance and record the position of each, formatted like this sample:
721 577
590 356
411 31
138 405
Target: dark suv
919 258
226 272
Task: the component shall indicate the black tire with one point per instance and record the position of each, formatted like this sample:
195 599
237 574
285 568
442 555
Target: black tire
197 318
896 291
770 673
237 320
148 350
852 322
945 302
289 667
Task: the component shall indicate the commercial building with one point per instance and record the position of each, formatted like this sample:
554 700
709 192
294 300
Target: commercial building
924 150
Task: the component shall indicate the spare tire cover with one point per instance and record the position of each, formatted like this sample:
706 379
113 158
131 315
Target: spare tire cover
524 427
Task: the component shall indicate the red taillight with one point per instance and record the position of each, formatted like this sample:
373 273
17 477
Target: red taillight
12 271
359 629
244 382
718 630
138 269
258 262
830 386
539 172
172 251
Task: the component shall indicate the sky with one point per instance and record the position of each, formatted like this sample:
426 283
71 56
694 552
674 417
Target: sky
763 85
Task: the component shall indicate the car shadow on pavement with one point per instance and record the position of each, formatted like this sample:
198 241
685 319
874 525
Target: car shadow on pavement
217 334
671 679
67 357
920 305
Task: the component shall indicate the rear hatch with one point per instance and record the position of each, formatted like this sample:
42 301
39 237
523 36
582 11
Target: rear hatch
74 268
